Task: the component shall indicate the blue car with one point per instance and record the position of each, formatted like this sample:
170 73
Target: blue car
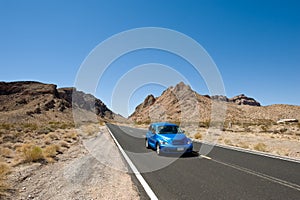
167 138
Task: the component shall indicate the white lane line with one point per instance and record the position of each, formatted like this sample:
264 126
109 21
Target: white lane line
206 157
145 185
261 175
251 151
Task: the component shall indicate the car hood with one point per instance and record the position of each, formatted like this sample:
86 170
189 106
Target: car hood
168 137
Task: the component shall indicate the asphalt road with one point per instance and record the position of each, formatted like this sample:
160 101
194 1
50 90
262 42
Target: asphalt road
224 174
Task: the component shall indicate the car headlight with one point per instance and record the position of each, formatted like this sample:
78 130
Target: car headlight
163 142
189 141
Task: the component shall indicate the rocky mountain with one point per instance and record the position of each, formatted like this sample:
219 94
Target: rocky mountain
29 101
182 103
239 100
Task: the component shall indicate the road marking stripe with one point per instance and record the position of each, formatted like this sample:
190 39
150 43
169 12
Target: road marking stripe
250 151
145 185
206 157
261 175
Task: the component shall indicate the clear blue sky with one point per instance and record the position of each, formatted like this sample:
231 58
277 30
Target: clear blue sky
255 44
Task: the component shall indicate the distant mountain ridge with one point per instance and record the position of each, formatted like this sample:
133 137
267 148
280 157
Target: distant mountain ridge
239 99
180 102
30 101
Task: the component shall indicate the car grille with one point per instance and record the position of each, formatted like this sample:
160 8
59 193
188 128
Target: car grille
178 141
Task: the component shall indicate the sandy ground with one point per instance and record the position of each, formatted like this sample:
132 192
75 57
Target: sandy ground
81 173
270 143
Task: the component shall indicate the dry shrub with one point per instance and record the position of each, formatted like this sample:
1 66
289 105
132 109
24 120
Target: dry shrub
198 136
72 135
101 123
243 145
61 125
47 141
44 130
30 126
4 170
11 136
6 126
17 145
31 153
204 124
228 142
64 144
90 129
260 147
53 136
264 128
51 150
6 152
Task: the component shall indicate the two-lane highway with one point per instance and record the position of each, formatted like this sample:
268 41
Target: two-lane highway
223 174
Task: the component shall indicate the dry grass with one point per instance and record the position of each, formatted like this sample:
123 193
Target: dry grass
6 126
198 136
28 143
61 125
64 144
228 142
264 128
6 152
53 136
4 171
101 123
31 153
50 151
47 141
243 145
90 129
73 135
260 147
30 126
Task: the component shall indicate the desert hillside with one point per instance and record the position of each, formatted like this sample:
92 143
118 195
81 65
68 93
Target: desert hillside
42 151
181 103
34 102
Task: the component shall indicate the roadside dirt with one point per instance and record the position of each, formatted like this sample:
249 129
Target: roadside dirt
78 174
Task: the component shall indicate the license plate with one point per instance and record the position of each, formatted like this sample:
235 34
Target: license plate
180 149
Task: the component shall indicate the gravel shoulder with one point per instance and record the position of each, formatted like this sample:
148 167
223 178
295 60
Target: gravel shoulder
91 169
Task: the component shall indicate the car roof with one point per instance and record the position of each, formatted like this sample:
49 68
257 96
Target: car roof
163 124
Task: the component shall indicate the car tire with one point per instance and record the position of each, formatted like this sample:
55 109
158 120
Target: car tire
147 143
158 152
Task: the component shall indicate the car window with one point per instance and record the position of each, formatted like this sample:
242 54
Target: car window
168 129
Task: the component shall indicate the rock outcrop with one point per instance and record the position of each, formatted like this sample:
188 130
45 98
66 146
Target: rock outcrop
219 98
27 88
85 101
244 100
239 100
28 100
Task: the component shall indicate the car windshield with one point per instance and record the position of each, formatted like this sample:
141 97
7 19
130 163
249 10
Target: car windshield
169 129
